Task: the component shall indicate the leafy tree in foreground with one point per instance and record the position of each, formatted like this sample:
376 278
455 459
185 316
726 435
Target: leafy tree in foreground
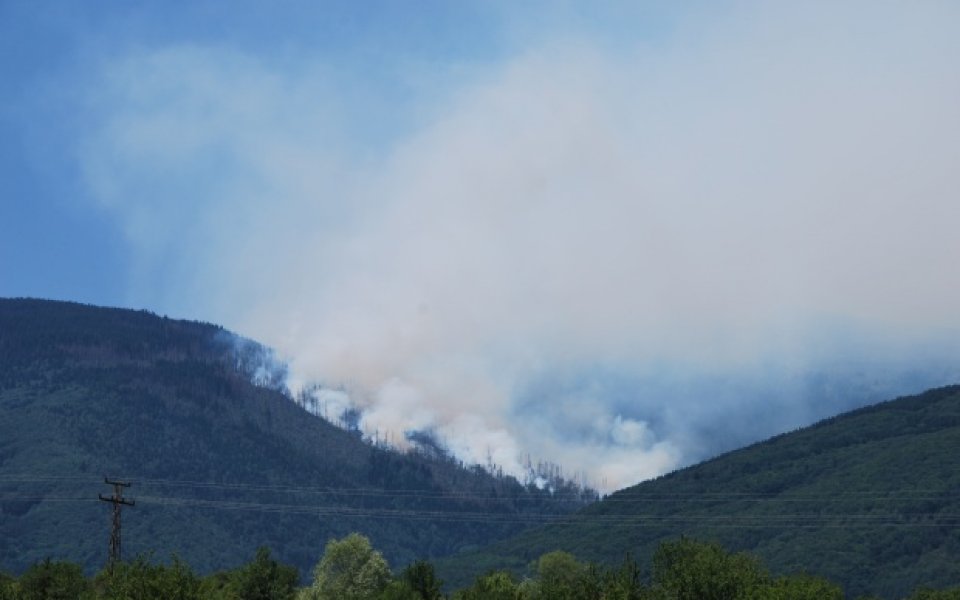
217 587
421 578
689 570
7 584
799 587
349 570
624 583
558 575
398 590
145 581
265 579
498 585
53 581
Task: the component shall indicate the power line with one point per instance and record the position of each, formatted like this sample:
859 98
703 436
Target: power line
357 492
800 520
623 496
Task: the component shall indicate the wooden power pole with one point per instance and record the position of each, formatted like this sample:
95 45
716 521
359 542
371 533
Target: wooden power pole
117 500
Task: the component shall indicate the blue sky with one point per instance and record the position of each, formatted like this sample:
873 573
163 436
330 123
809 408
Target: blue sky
622 233
55 241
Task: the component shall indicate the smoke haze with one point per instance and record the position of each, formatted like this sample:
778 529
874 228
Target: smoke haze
619 254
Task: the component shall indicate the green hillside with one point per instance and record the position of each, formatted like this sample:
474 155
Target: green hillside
219 465
870 499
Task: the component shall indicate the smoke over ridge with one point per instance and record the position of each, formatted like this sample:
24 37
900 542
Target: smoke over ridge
621 257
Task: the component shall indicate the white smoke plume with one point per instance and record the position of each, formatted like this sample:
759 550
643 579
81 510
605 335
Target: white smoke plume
595 253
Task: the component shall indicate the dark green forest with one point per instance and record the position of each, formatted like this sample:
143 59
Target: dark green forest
869 499
351 569
220 458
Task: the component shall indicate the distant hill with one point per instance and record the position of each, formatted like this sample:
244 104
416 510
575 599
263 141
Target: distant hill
870 499
220 458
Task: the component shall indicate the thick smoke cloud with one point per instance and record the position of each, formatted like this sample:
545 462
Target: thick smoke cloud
620 256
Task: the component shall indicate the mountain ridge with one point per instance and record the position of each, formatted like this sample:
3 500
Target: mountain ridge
219 465
868 498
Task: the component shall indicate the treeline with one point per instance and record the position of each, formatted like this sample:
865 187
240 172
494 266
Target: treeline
868 500
351 569
426 444
197 419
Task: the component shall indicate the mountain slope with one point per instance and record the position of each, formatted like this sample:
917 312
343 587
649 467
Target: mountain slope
219 465
870 498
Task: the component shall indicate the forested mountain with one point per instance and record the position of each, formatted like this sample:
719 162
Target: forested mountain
223 461
220 458
870 499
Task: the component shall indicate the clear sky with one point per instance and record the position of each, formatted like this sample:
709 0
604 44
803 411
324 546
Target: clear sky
617 233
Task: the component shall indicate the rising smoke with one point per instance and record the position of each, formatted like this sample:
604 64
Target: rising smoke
620 259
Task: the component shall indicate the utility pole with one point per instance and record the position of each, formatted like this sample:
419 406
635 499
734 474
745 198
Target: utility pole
117 500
